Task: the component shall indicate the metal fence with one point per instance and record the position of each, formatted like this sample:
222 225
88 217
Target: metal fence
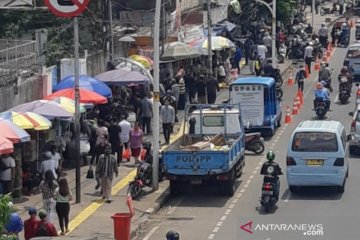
16 55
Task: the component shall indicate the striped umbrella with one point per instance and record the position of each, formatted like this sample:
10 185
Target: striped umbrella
68 104
27 120
22 134
6 146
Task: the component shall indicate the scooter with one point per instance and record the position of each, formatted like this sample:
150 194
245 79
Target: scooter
326 10
282 53
344 93
144 174
268 198
320 108
254 142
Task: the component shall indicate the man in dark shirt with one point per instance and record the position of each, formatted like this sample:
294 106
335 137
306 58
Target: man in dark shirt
212 88
201 90
114 137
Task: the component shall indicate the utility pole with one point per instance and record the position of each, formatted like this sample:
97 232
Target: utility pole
208 5
77 110
313 14
111 31
273 35
156 105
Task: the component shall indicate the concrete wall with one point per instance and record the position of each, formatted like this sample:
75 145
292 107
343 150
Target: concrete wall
96 63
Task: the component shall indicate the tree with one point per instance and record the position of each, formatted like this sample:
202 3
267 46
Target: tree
5 210
284 10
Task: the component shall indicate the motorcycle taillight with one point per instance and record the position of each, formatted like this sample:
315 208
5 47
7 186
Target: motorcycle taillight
267 187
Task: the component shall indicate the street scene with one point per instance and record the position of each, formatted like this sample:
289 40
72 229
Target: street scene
179 119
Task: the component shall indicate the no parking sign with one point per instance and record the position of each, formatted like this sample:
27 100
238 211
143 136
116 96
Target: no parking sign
67 8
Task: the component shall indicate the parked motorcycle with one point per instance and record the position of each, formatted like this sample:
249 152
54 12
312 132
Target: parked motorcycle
326 10
254 142
144 173
297 50
282 53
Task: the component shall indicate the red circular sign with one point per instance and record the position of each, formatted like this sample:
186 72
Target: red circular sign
67 8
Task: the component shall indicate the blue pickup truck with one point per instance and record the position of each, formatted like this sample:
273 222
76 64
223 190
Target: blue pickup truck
210 150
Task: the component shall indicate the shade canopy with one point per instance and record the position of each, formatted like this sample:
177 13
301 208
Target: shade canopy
85 82
86 96
144 61
177 51
6 146
46 108
27 120
68 104
217 43
8 133
20 133
122 77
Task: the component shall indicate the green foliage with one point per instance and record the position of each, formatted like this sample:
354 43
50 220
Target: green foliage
5 210
284 9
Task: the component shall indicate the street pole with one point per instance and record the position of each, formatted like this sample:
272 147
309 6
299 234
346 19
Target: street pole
313 14
273 43
77 112
273 35
111 31
156 105
210 71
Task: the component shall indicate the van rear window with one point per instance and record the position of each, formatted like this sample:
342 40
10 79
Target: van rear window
353 53
315 142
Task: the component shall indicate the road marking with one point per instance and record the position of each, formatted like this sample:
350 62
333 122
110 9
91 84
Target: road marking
257 168
231 206
246 185
337 98
152 231
174 207
235 200
223 218
255 171
286 200
252 176
239 195
227 211
242 190
219 223
211 236
248 181
216 229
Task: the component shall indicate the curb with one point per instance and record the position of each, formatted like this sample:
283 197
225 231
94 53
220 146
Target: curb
164 197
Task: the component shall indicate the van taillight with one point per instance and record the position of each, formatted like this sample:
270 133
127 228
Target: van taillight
339 162
358 92
290 161
353 126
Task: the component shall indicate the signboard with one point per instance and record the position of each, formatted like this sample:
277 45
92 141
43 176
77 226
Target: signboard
67 8
251 99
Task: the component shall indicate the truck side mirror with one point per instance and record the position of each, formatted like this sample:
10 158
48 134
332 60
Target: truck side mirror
349 137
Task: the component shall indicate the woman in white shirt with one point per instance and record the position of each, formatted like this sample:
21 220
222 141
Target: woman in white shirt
124 135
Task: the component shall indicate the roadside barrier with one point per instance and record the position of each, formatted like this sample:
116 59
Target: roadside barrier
288 118
295 110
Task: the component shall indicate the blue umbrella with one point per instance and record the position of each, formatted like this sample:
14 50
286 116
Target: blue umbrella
85 82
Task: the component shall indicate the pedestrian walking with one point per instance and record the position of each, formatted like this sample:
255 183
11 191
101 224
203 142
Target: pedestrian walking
102 136
221 73
175 90
341 5
48 187
182 92
267 42
146 113
247 46
48 163
167 114
30 224
201 90
308 55
136 141
262 51
258 66
7 165
172 101
63 196
212 89
106 168
45 228
300 78
124 135
114 138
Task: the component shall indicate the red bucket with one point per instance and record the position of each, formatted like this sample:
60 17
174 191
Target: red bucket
122 223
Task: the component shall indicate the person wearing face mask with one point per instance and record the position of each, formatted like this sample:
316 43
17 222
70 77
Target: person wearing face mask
106 168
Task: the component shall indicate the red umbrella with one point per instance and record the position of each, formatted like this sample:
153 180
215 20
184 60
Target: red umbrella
6 146
8 133
86 96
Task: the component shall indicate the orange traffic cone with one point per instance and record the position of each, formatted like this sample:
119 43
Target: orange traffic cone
288 115
307 74
325 58
328 54
298 102
295 110
317 64
291 79
351 23
328 47
301 97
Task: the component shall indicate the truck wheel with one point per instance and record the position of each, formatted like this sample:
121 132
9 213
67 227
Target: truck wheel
175 187
227 188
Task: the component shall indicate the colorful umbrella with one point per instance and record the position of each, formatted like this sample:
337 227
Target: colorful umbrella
68 104
122 77
86 96
45 108
177 51
146 62
22 134
218 43
27 120
8 133
85 82
6 146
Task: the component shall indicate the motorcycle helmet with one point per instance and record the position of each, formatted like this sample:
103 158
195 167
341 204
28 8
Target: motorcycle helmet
316 41
323 83
311 43
344 69
323 24
343 24
270 155
172 235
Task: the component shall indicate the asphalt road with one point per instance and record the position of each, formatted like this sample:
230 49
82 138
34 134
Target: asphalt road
202 214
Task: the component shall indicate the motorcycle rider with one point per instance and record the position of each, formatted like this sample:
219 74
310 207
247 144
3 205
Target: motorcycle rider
344 34
321 95
325 74
344 73
271 171
323 35
308 55
172 235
